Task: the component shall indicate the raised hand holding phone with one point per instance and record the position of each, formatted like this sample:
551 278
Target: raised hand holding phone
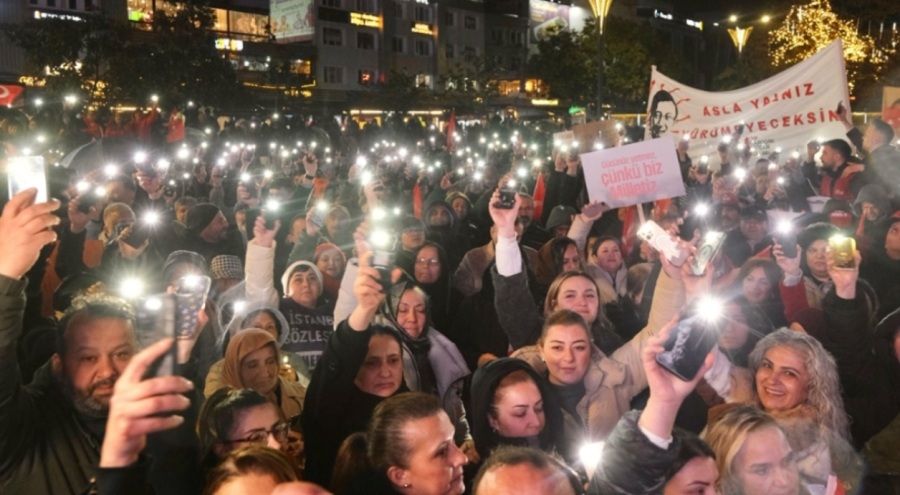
139 407
26 227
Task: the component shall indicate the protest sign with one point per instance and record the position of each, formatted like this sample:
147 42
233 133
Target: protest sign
785 111
632 174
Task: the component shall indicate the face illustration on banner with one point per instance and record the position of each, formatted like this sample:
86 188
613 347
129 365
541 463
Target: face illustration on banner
663 113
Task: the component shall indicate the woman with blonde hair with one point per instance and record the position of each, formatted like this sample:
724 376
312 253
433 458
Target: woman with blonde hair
795 380
753 454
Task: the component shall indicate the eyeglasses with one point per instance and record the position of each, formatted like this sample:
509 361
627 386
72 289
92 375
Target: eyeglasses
413 230
280 432
428 262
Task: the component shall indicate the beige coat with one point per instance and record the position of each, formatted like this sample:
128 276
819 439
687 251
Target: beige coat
611 382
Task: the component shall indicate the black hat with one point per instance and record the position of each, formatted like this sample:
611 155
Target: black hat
753 212
199 216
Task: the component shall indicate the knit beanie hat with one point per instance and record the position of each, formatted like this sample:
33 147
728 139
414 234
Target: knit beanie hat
199 216
560 215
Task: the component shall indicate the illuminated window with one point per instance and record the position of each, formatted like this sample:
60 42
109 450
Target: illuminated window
332 37
424 81
334 75
366 77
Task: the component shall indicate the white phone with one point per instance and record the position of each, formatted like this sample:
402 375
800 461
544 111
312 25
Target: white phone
653 234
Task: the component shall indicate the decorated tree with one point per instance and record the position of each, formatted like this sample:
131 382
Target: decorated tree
810 27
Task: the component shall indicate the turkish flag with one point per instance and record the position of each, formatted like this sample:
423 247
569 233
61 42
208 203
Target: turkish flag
9 93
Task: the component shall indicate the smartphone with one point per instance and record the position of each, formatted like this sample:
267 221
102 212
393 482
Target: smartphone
840 107
382 255
843 249
690 341
703 168
25 172
155 320
786 237
507 196
85 202
190 299
139 233
319 212
270 213
653 234
707 251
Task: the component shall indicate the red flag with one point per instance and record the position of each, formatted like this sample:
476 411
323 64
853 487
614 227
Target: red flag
451 131
417 201
628 215
9 93
539 192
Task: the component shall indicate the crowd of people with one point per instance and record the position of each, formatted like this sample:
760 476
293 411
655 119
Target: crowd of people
296 306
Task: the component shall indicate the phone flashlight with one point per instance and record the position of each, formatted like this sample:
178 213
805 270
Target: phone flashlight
740 174
590 455
702 209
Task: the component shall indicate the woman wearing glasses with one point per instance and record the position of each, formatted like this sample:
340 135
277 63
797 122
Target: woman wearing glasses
233 419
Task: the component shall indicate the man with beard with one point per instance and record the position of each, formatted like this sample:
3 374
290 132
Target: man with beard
534 236
52 428
209 235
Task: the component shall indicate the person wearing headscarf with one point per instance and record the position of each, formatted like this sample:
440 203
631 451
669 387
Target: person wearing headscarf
252 361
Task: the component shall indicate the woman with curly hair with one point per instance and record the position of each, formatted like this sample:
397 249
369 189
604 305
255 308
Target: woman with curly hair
794 379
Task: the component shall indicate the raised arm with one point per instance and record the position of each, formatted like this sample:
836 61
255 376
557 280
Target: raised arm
26 228
260 264
516 311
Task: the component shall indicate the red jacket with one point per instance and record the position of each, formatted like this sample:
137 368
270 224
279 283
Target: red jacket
841 188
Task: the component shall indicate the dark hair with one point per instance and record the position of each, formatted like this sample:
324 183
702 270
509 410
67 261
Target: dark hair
558 247
218 416
92 307
884 129
256 312
282 183
660 97
840 146
538 459
188 201
367 456
254 459
125 180
770 268
564 317
689 447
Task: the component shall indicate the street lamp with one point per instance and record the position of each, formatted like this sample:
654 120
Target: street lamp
601 12
740 35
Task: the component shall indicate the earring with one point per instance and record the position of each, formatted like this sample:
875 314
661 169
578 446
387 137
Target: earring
407 485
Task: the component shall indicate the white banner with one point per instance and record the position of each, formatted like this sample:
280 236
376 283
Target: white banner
783 112
634 173
292 20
